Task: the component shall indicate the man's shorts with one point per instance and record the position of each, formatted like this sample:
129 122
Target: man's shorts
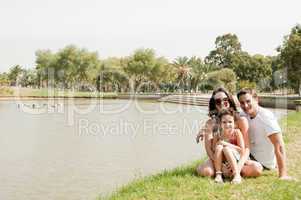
253 158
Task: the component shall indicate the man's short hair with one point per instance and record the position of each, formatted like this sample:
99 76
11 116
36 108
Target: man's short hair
247 91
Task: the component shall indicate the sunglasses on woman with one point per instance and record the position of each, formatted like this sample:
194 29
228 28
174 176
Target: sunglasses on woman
220 101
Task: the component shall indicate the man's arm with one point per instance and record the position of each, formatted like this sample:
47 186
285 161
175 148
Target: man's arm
279 149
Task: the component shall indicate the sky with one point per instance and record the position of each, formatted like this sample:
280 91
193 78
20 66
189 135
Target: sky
118 27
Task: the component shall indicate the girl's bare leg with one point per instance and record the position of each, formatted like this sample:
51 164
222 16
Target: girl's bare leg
218 158
233 163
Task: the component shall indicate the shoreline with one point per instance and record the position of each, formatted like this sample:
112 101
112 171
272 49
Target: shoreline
7 98
283 102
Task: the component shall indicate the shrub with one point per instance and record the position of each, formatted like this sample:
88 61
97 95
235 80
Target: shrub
6 91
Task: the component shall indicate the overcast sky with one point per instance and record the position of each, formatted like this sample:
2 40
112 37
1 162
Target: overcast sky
118 27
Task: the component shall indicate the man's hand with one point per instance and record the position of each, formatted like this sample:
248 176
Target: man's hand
279 149
287 178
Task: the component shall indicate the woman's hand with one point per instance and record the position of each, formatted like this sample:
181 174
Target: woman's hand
200 135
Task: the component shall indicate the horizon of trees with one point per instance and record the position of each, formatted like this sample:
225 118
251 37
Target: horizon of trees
227 65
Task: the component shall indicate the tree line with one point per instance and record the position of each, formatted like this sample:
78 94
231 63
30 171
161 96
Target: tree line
227 65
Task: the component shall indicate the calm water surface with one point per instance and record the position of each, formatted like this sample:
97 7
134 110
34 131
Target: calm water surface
78 150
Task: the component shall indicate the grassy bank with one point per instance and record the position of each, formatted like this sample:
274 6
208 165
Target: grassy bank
44 92
183 183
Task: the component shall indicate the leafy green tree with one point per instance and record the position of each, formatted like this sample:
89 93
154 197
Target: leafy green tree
141 66
160 73
45 64
262 68
71 66
290 54
87 62
223 78
4 80
226 46
252 68
199 71
277 72
29 78
246 84
66 66
14 74
167 77
108 75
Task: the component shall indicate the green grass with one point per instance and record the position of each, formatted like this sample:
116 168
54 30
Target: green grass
183 183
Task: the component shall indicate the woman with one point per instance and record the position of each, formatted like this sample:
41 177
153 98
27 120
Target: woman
220 100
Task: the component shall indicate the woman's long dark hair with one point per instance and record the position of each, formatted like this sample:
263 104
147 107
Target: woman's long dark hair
212 105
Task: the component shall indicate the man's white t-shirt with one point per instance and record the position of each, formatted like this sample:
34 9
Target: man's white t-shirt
260 127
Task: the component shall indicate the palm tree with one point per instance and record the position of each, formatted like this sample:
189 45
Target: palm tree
183 71
14 73
199 71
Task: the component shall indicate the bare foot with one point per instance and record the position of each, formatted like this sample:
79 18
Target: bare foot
218 179
236 179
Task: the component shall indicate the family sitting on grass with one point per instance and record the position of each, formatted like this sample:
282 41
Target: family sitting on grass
241 143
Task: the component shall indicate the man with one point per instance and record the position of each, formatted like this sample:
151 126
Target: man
266 143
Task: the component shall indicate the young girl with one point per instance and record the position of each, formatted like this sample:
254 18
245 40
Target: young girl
229 146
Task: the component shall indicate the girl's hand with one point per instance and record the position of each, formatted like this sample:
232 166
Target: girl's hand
224 143
220 142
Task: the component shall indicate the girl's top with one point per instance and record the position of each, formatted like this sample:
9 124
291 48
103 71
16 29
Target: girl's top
233 138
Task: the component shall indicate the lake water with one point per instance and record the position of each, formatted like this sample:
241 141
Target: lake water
82 148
